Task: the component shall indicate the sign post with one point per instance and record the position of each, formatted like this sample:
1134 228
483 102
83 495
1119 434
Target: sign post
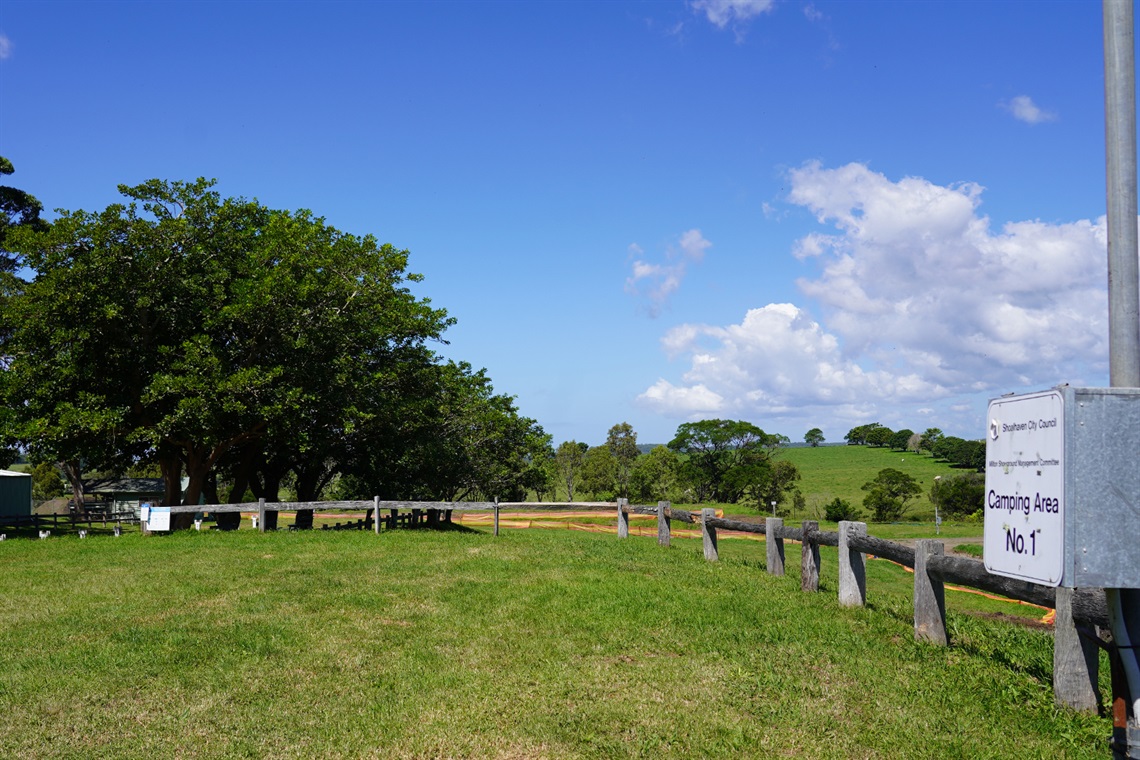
1024 534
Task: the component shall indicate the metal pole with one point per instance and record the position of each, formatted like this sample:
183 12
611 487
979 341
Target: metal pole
1120 152
1123 320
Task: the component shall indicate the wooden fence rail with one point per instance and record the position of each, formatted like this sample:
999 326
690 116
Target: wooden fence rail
1079 612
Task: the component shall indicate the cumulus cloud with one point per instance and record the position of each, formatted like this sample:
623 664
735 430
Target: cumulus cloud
654 283
725 12
1024 109
5 47
920 300
778 358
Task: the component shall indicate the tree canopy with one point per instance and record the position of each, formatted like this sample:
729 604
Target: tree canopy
888 494
17 209
714 448
217 335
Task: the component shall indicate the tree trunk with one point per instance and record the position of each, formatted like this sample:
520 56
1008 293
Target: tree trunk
171 465
310 482
210 489
74 474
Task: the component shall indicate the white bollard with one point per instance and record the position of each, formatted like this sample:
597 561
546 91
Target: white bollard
254 519
197 525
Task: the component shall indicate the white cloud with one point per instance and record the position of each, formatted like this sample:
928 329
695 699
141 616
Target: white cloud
921 302
723 12
776 359
654 283
693 400
1024 109
693 245
812 13
5 47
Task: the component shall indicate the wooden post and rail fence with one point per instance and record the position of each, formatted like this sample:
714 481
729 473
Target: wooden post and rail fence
1080 613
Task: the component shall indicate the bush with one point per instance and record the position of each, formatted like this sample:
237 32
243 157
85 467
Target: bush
840 509
883 506
959 495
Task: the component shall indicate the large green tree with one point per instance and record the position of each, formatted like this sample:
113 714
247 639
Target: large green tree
888 494
713 448
621 440
599 473
451 438
568 460
900 439
183 328
930 437
654 475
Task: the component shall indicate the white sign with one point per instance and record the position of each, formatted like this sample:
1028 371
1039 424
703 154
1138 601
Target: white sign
159 518
1025 488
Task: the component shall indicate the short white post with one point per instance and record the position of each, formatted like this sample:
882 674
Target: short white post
663 527
496 516
852 566
260 515
774 540
623 519
929 596
708 534
376 514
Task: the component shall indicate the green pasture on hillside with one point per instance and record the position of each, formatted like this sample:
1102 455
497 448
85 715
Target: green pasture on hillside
828 472
535 644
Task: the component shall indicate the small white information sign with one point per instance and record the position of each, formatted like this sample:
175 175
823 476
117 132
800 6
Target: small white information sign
1025 488
159 518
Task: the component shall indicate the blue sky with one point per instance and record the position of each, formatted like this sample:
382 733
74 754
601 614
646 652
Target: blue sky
798 214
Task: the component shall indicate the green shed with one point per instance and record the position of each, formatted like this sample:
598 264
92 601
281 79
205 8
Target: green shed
15 494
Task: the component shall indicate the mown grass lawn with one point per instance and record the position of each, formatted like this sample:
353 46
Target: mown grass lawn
556 644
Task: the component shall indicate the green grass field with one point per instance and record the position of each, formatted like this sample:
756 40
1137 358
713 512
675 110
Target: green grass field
829 472
535 644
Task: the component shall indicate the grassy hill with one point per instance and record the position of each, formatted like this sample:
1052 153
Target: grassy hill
537 644
840 471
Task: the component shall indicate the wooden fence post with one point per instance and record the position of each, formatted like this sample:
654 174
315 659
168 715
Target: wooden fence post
376 514
708 534
623 520
852 566
929 596
663 528
261 515
1076 661
496 515
774 544
809 557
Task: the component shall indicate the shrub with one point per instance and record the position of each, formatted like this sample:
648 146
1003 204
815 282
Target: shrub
840 509
959 495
